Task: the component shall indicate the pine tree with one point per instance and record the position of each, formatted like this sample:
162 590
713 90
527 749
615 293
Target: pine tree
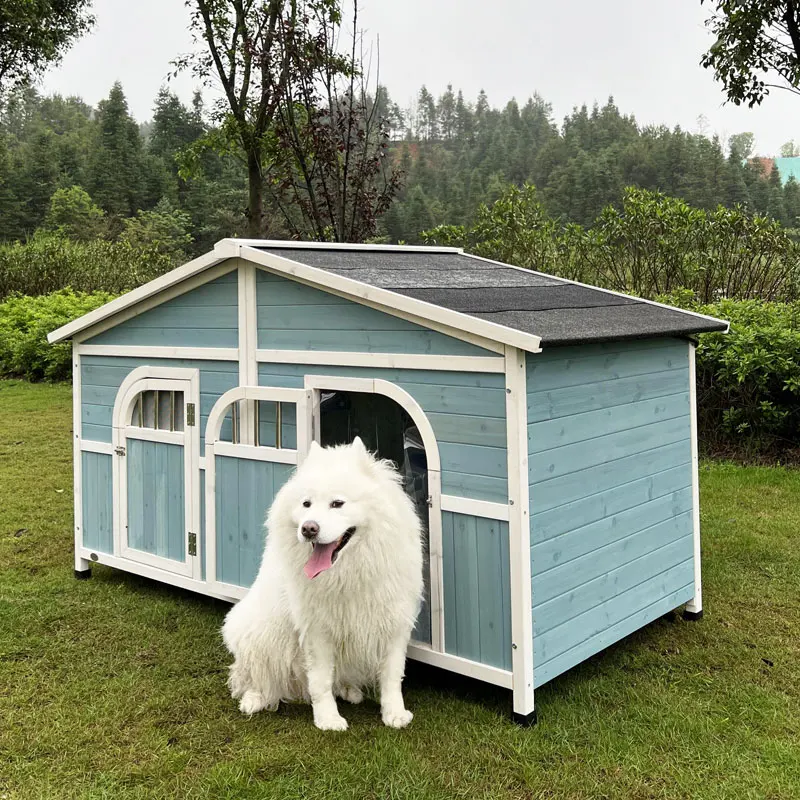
426 106
465 124
38 177
791 200
116 179
174 127
446 111
735 188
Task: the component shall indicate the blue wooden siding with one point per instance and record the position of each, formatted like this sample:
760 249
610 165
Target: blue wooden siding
203 317
292 316
466 411
477 604
245 491
97 526
610 492
101 377
156 509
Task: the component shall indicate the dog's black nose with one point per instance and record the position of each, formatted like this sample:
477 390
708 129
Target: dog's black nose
310 530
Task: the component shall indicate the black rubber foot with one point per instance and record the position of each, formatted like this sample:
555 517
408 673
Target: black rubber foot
83 574
692 616
525 720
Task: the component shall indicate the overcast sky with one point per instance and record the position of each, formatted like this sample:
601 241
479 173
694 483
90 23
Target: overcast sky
644 53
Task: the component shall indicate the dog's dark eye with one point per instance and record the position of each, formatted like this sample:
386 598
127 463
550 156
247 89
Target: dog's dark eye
337 503
306 504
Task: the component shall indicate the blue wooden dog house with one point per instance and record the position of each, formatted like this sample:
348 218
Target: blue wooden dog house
547 429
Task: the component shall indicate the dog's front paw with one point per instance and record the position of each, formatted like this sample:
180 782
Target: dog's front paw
397 719
252 702
331 722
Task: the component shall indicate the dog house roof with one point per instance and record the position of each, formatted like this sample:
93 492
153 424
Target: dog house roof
558 311
499 301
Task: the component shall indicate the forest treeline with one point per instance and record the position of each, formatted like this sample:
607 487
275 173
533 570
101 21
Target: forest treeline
93 204
141 182
458 154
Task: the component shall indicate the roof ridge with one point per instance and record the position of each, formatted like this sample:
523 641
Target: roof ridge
288 244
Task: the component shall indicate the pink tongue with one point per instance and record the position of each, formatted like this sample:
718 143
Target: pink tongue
321 559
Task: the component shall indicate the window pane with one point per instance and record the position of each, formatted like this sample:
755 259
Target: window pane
179 412
165 421
136 412
149 409
266 423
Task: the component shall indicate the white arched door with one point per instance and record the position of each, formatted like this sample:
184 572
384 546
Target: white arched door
156 470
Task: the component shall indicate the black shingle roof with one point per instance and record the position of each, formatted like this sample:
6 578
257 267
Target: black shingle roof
559 311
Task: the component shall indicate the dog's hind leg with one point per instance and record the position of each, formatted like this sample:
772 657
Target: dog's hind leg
239 679
253 701
350 693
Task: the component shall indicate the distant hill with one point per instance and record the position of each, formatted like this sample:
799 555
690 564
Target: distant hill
458 153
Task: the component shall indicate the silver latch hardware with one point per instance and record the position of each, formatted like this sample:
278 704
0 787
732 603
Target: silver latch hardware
192 544
120 451
190 414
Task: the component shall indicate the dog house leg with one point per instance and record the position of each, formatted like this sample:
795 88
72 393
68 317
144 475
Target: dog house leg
83 571
694 608
525 720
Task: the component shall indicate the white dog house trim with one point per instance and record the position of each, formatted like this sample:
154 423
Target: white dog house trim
557 422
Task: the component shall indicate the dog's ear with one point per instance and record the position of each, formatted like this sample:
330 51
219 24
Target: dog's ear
358 447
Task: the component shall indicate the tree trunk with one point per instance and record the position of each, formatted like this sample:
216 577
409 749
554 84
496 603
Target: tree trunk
255 191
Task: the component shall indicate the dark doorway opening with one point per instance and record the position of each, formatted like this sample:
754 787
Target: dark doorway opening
387 430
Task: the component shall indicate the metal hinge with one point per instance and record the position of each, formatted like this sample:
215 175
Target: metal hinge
190 414
120 451
192 544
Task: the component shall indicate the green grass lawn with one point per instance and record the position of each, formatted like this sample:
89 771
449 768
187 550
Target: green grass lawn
115 687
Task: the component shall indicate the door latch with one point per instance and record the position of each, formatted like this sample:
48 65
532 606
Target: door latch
120 451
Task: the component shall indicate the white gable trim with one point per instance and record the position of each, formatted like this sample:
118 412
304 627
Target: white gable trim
391 302
150 291
456 333
480 332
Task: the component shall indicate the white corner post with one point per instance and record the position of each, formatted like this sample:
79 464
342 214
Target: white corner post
82 569
694 608
519 534
248 366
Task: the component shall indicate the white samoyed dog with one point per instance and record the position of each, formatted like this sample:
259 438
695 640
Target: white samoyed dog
337 594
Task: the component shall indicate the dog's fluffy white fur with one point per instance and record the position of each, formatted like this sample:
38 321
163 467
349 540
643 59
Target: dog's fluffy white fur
300 638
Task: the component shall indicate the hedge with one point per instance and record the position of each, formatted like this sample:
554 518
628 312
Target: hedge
48 263
24 325
748 379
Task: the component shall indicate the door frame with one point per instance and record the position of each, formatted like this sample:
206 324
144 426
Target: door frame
315 384
215 447
163 379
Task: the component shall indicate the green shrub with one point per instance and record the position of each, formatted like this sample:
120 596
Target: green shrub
748 380
51 262
24 325
164 230
651 245
74 215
